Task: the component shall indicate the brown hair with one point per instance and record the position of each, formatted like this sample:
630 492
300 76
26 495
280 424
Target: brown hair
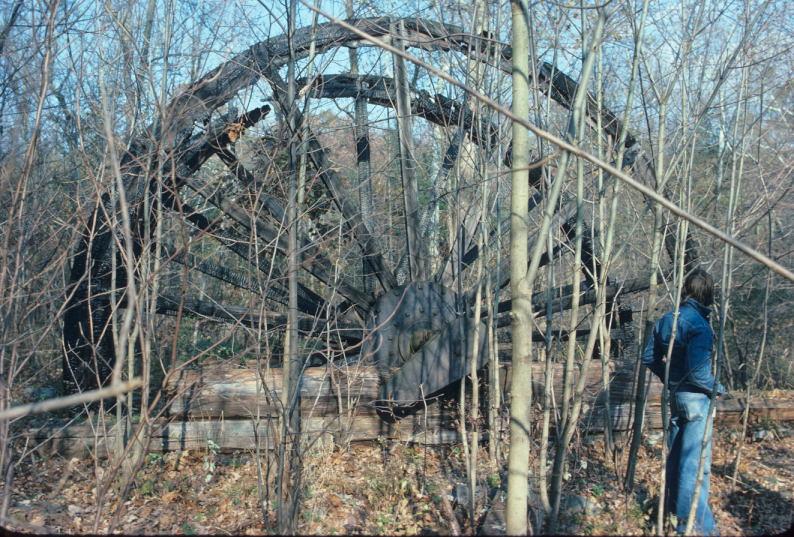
699 285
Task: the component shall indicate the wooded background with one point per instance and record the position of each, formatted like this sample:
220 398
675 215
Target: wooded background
190 188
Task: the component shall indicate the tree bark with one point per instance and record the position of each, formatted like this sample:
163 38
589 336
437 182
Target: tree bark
521 386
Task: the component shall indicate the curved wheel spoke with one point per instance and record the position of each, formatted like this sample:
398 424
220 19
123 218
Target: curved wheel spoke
311 259
224 274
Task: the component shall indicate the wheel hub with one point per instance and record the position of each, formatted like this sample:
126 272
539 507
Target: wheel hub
420 340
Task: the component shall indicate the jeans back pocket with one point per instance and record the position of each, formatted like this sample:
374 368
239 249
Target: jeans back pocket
691 406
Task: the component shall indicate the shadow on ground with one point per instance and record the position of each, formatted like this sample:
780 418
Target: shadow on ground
756 508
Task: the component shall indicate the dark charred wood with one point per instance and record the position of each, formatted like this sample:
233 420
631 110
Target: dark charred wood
213 270
248 179
378 90
214 140
587 295
350 210
589 261
473 252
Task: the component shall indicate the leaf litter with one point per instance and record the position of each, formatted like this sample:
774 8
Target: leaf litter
396 489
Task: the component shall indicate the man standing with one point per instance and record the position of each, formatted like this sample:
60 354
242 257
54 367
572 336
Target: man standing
691 384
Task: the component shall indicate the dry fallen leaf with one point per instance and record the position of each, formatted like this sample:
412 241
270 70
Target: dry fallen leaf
170 496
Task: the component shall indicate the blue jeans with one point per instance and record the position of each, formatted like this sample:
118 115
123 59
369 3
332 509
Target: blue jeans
689 421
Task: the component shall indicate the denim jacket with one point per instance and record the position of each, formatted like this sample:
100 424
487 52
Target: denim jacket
690 362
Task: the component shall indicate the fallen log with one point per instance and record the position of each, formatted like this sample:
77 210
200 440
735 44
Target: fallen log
219 391
729 410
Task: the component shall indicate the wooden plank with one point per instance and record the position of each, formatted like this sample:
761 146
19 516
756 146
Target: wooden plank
218 391
729 412
436 426
243 434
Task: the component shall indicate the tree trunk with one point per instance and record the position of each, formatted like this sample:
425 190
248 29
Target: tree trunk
521 387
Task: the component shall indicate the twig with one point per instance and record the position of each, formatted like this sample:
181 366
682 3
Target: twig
76 399
446 507
737 480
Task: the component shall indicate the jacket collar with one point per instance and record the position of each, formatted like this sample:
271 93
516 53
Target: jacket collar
700 308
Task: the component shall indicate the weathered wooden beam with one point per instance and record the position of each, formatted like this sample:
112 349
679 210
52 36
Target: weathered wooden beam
349 209
244 392
434 428
215 391
243 434
729 412
415 248
563 296
193 153
437 109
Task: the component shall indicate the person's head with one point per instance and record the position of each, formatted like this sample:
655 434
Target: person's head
699 285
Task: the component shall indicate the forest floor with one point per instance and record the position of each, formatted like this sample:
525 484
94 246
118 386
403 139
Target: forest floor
395 489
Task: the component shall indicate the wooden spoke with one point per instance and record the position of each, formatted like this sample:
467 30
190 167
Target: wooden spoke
233 314
308 301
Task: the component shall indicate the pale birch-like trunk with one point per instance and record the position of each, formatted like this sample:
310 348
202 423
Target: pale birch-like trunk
521 386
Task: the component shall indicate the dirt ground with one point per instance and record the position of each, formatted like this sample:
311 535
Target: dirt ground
392 489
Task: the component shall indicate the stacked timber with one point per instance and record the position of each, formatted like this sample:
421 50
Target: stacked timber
330 391
336 402
238 408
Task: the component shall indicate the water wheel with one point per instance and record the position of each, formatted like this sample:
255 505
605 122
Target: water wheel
397 293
